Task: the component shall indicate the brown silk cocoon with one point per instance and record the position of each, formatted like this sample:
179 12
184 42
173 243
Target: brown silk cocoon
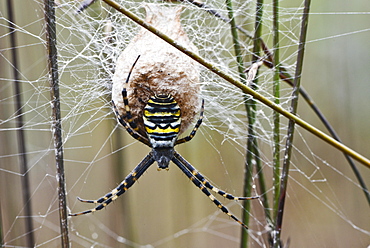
161 69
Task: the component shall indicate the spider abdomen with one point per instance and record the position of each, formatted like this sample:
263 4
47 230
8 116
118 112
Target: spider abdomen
162 121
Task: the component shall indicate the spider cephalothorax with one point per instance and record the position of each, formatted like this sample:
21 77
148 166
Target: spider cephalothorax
162 121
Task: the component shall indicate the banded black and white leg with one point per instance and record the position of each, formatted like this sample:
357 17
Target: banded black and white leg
204 189
206 183
120 189
127 120
195 129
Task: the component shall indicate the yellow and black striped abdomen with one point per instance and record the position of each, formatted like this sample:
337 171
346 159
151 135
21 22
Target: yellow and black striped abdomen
162 120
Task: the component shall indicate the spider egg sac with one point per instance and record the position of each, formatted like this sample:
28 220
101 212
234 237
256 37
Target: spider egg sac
161 69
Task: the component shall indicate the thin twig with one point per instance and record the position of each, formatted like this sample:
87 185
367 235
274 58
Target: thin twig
57 122
244 88
26 195
257 43
276 116
291 125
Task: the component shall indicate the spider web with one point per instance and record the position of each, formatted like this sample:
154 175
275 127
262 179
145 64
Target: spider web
325 204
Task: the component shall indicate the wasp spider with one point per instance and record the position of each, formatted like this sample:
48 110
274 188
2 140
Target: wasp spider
162 120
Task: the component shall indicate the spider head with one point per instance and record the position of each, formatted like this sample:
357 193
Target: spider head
163 156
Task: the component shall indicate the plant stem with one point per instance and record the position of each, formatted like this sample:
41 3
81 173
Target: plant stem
247 189
289 141
255 58
276 115
57 122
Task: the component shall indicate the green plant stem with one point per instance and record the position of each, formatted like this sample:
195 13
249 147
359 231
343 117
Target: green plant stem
289 142
244 88
51 39
255 58
247 189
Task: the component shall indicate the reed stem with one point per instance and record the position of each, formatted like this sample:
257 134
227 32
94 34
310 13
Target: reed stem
56 114
289 142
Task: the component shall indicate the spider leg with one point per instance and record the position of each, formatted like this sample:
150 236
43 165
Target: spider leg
122 188
128 116
203 188
204 181
195 129
127 120
131 131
